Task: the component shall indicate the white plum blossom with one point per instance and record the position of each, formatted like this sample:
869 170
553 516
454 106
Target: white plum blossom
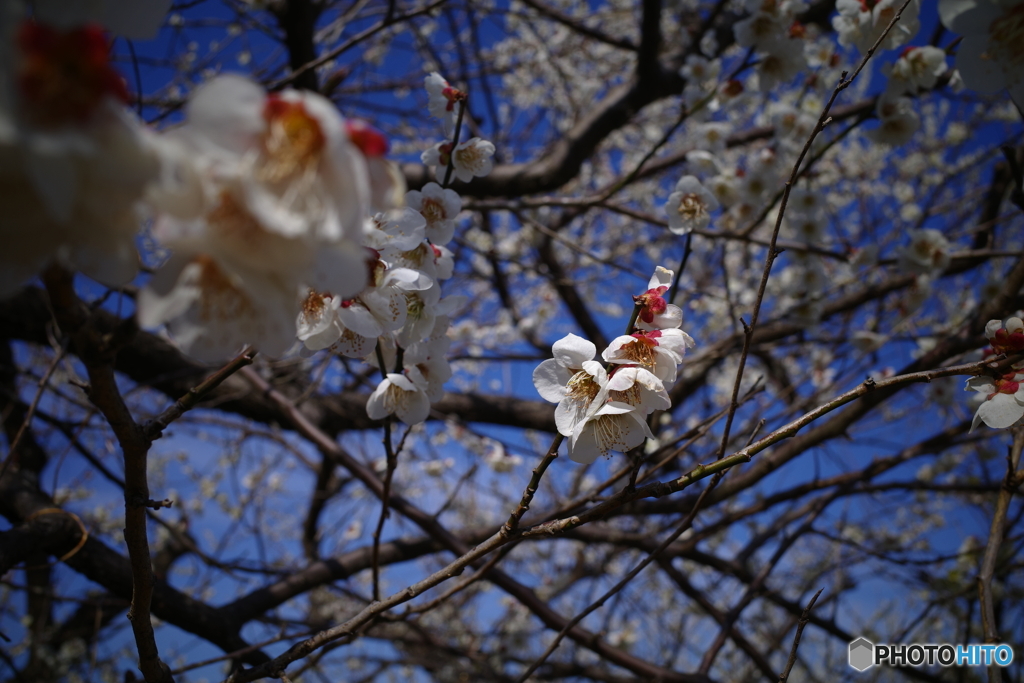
400 394
612 426
469 159
702 163
638 387
387 302
441 100
424 306
713 136
917 68
289 153
1004 399
213 312
791 124
500 461
75 162
867 341
780 61
434 261
725 187
991 55
759 29
927 253
689 208
806 227
317 323
428 357
861 23
897 121
282 194
321 324
440 207
552 376
394 232
700 70
585 389
659 351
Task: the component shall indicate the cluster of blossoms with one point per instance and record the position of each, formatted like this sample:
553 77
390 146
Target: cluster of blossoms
398 314
605 408
862 22
773 30
926 256
75 161
271 205
264 196
1003 405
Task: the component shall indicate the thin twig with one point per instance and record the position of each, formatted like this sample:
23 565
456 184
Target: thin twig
155 427
687 523
331 55
804 618
392 463
773 252
13 449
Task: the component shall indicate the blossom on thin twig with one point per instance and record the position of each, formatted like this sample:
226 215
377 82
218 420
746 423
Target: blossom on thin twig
689 208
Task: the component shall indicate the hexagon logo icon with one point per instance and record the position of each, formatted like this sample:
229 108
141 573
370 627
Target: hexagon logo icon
862 654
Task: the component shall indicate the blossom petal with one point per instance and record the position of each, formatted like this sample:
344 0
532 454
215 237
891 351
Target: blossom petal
550 378
967 16
1000 411
662 278
572 351
979 71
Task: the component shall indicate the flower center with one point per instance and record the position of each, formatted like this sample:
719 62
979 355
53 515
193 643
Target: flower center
609 432
629 396
394 397
415 306
691 207
416 256
314 306
65 74
640 351
432 210
582 388
469 157
293 142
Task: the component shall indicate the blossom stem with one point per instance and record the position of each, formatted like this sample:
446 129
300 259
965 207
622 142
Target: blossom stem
392 463
682 266
531 489
455 141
